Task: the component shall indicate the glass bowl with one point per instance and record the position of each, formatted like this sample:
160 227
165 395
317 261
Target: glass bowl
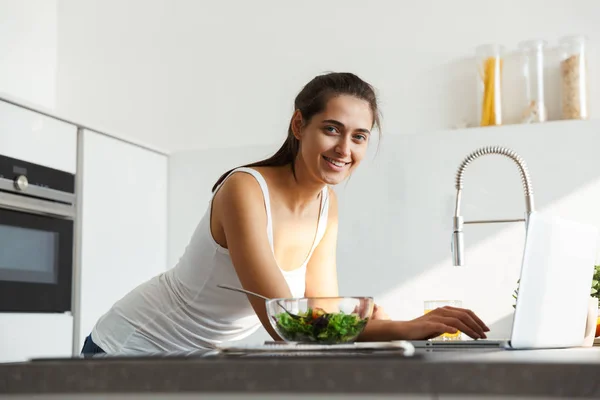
323 320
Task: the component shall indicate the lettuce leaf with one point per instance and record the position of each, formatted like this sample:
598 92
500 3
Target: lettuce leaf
321 327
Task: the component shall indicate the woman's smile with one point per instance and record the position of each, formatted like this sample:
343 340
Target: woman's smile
335 164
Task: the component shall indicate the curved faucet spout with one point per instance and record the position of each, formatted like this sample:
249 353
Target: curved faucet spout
457 221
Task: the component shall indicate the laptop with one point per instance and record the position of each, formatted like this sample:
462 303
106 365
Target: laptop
554 288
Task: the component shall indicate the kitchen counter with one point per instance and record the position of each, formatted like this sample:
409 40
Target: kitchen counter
571 373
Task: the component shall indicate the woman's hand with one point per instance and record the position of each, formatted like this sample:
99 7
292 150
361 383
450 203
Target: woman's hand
433 324
447 320
379 313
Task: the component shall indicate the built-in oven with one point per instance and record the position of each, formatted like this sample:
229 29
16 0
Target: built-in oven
37 212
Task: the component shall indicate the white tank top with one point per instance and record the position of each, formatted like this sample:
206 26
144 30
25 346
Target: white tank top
182 309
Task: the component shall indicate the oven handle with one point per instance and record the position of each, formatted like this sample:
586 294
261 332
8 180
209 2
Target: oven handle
36 206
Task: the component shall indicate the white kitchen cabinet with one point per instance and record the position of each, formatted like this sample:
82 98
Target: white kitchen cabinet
124 223
33 137
26 336
36 138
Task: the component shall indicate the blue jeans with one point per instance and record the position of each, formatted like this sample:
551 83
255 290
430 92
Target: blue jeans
90 348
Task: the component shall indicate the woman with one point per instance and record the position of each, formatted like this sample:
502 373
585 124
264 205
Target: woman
270 227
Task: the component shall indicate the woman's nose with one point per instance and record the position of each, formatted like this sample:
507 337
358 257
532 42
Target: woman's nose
343 147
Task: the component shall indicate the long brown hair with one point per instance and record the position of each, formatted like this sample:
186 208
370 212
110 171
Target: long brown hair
312 100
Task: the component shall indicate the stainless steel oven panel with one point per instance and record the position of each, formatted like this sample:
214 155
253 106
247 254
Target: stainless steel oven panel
22 187
36 206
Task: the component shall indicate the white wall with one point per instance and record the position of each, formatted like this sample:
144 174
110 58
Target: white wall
28 51
199 74
396 211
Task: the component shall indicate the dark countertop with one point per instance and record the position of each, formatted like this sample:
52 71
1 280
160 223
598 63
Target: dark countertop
568 373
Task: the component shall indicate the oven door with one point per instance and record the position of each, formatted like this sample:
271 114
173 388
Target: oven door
36 261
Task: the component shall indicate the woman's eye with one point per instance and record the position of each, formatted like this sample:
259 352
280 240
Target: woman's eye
331 129
360 137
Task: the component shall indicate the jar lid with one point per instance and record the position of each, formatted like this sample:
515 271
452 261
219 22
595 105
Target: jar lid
490 48
533 44
572 39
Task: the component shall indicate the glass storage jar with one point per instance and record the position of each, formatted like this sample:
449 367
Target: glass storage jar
489 84
574 83
532 55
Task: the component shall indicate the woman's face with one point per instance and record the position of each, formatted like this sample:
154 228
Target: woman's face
335 141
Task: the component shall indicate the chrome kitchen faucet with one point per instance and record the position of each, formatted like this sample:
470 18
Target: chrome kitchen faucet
457 234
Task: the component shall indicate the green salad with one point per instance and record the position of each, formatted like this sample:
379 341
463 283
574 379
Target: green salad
319 326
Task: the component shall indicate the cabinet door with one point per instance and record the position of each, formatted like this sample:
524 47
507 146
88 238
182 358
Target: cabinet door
124 223
24 336
33 137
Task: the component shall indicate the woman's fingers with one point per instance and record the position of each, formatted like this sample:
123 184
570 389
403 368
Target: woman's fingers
473 316
467 319
466 316
479 321
460 325
448 320
436 329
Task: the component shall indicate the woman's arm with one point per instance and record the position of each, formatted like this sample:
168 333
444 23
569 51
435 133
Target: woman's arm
244 220
439 321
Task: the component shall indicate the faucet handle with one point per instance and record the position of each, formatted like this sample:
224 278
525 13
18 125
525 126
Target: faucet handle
457 249
457 246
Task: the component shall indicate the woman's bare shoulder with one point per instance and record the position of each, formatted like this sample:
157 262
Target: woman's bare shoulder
270 174
240 185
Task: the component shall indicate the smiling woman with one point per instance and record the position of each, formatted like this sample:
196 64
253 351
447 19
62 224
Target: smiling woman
346 110
271 228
